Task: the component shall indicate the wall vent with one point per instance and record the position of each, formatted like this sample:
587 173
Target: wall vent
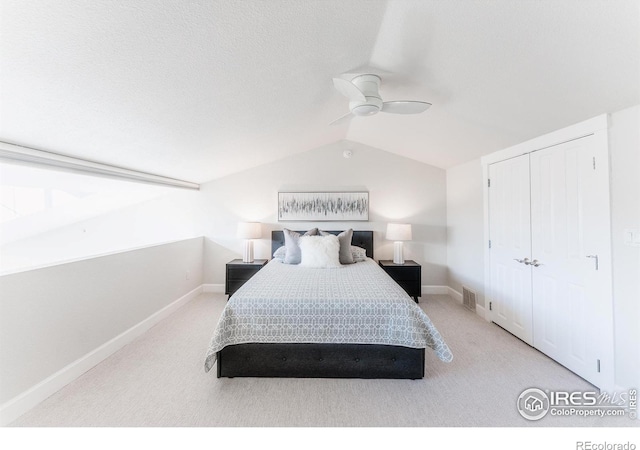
468 298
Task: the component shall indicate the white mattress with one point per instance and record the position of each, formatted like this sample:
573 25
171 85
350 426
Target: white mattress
356 303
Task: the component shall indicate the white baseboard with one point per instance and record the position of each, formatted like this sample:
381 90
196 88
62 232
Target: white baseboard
434 290
482 312
457 296
22 403
213 288
454 294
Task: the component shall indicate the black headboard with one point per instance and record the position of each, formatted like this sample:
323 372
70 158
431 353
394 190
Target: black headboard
362 239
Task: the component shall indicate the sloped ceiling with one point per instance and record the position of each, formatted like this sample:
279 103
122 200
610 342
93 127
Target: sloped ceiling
196 90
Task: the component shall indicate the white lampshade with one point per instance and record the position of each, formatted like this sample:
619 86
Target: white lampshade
399 231
249 230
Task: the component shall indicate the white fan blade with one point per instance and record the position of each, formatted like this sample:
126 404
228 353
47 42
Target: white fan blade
405 107
349 90
344 119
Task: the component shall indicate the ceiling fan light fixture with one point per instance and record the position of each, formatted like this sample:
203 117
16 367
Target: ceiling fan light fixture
365 100
365 110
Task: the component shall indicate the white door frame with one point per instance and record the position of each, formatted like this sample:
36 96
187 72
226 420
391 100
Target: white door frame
597 126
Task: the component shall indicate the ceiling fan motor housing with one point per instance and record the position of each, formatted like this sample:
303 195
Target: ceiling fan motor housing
368 85
368 108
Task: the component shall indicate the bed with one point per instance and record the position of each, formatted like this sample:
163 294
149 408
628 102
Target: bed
348 322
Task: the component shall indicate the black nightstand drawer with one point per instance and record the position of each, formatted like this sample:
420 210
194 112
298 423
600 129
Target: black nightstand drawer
241 273
407 275
412 287
234 285
238 273
403 273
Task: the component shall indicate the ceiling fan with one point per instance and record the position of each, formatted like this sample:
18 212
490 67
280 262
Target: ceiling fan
364 99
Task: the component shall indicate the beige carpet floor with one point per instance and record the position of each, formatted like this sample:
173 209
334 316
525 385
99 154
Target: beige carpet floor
159 381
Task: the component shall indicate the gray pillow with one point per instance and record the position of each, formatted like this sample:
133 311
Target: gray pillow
292 244
345 245
359 254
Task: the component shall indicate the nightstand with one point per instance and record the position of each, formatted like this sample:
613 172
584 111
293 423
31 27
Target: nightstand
407 275
239 272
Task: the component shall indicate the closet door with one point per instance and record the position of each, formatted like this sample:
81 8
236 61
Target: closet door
510 236
570 231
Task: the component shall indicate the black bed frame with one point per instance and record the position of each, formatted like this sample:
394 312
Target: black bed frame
321 360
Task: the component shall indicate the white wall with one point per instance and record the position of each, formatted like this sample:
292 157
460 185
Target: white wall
465 251
465 239
399 189
54 316
624 146
71 295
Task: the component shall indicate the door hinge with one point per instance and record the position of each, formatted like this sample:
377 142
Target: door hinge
594 163
489 243
488 182
490 306
598 366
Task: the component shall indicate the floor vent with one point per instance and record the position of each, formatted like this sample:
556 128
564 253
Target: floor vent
468 298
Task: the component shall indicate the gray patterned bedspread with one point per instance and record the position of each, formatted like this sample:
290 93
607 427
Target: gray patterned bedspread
357 303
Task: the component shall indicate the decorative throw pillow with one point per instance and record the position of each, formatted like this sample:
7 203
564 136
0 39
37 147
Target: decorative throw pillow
320 251
359 254
280 253
291 239
345 245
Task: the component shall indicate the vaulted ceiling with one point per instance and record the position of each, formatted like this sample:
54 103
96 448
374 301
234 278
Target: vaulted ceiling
199 89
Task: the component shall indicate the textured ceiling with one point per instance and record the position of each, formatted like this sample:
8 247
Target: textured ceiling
199 89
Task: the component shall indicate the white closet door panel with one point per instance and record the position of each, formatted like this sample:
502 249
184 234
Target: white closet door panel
509 218
566 325
577 330
549 322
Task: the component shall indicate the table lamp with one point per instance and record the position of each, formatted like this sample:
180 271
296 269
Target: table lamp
249 231
398 232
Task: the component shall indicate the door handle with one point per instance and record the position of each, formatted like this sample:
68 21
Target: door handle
525 261
535 263
594 257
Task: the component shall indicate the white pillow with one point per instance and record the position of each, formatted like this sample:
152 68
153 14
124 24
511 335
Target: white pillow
291 238
345 242
280 253
320 251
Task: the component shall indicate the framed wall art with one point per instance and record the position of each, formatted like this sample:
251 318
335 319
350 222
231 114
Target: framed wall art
323 206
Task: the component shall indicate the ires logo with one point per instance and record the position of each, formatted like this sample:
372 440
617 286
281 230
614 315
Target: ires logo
534 403
573 398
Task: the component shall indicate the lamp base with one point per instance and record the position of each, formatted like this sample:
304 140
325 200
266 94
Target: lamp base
398 257
247 255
